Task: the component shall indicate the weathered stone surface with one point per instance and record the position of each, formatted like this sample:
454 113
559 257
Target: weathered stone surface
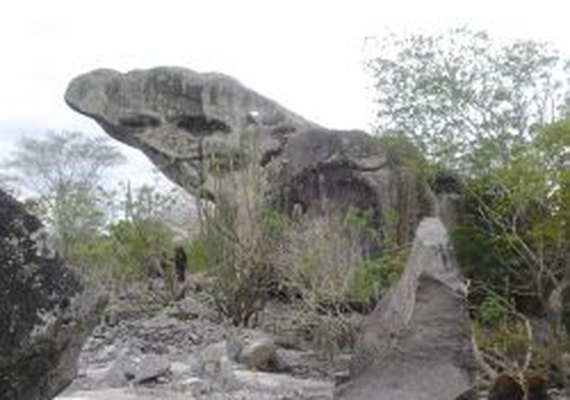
135 369
285 386
126 394
321 168
417 343
183 120
202 128
46 313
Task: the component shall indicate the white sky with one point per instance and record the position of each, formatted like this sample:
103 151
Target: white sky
306 54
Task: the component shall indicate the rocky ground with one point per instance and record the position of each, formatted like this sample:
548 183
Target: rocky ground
144 350
182 351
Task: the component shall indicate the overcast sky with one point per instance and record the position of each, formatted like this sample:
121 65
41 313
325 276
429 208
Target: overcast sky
305 54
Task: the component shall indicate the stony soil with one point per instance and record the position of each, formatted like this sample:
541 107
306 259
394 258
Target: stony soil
183 351
145 350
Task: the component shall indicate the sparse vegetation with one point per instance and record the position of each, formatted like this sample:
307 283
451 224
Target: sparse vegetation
493 117
236 241
64 171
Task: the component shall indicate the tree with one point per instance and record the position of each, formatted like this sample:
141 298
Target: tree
485 111
452 93
495 116
523 212
64 171
5 183
513 236
143 235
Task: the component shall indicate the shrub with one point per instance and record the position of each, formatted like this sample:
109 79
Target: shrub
322 259
138 244
376 275
236 243
492 310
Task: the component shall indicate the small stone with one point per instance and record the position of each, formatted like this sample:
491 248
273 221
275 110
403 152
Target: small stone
151 367
135 369
258 354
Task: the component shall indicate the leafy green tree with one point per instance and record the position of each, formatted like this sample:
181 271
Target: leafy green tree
493 114
513 236
454 92
520 213
484 110
64 172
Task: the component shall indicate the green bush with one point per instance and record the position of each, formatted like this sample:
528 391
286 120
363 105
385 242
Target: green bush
236 243
138 244
94 256
197 253
125 253
492 310
375 276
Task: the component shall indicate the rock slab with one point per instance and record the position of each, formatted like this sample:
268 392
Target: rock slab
46 313
417 342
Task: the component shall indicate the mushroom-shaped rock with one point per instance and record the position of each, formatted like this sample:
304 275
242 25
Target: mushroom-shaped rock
186 122
201 129
46 313
417 342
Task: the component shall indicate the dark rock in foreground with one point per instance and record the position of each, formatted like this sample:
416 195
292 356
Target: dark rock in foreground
417 343
46 314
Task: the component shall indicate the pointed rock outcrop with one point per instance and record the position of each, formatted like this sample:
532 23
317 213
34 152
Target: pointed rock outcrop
417 343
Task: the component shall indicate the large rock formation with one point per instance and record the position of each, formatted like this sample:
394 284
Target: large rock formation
202 128
417 342
189 124
45 312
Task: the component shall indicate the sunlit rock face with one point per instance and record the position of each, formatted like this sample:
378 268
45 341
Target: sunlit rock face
202 129
417 342
46 313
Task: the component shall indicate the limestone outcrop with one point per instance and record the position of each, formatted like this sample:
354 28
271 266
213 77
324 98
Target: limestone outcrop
417 342
46 313
199 128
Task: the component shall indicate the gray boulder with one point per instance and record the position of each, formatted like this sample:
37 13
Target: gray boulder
136 369
202 129
46 313
417 342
